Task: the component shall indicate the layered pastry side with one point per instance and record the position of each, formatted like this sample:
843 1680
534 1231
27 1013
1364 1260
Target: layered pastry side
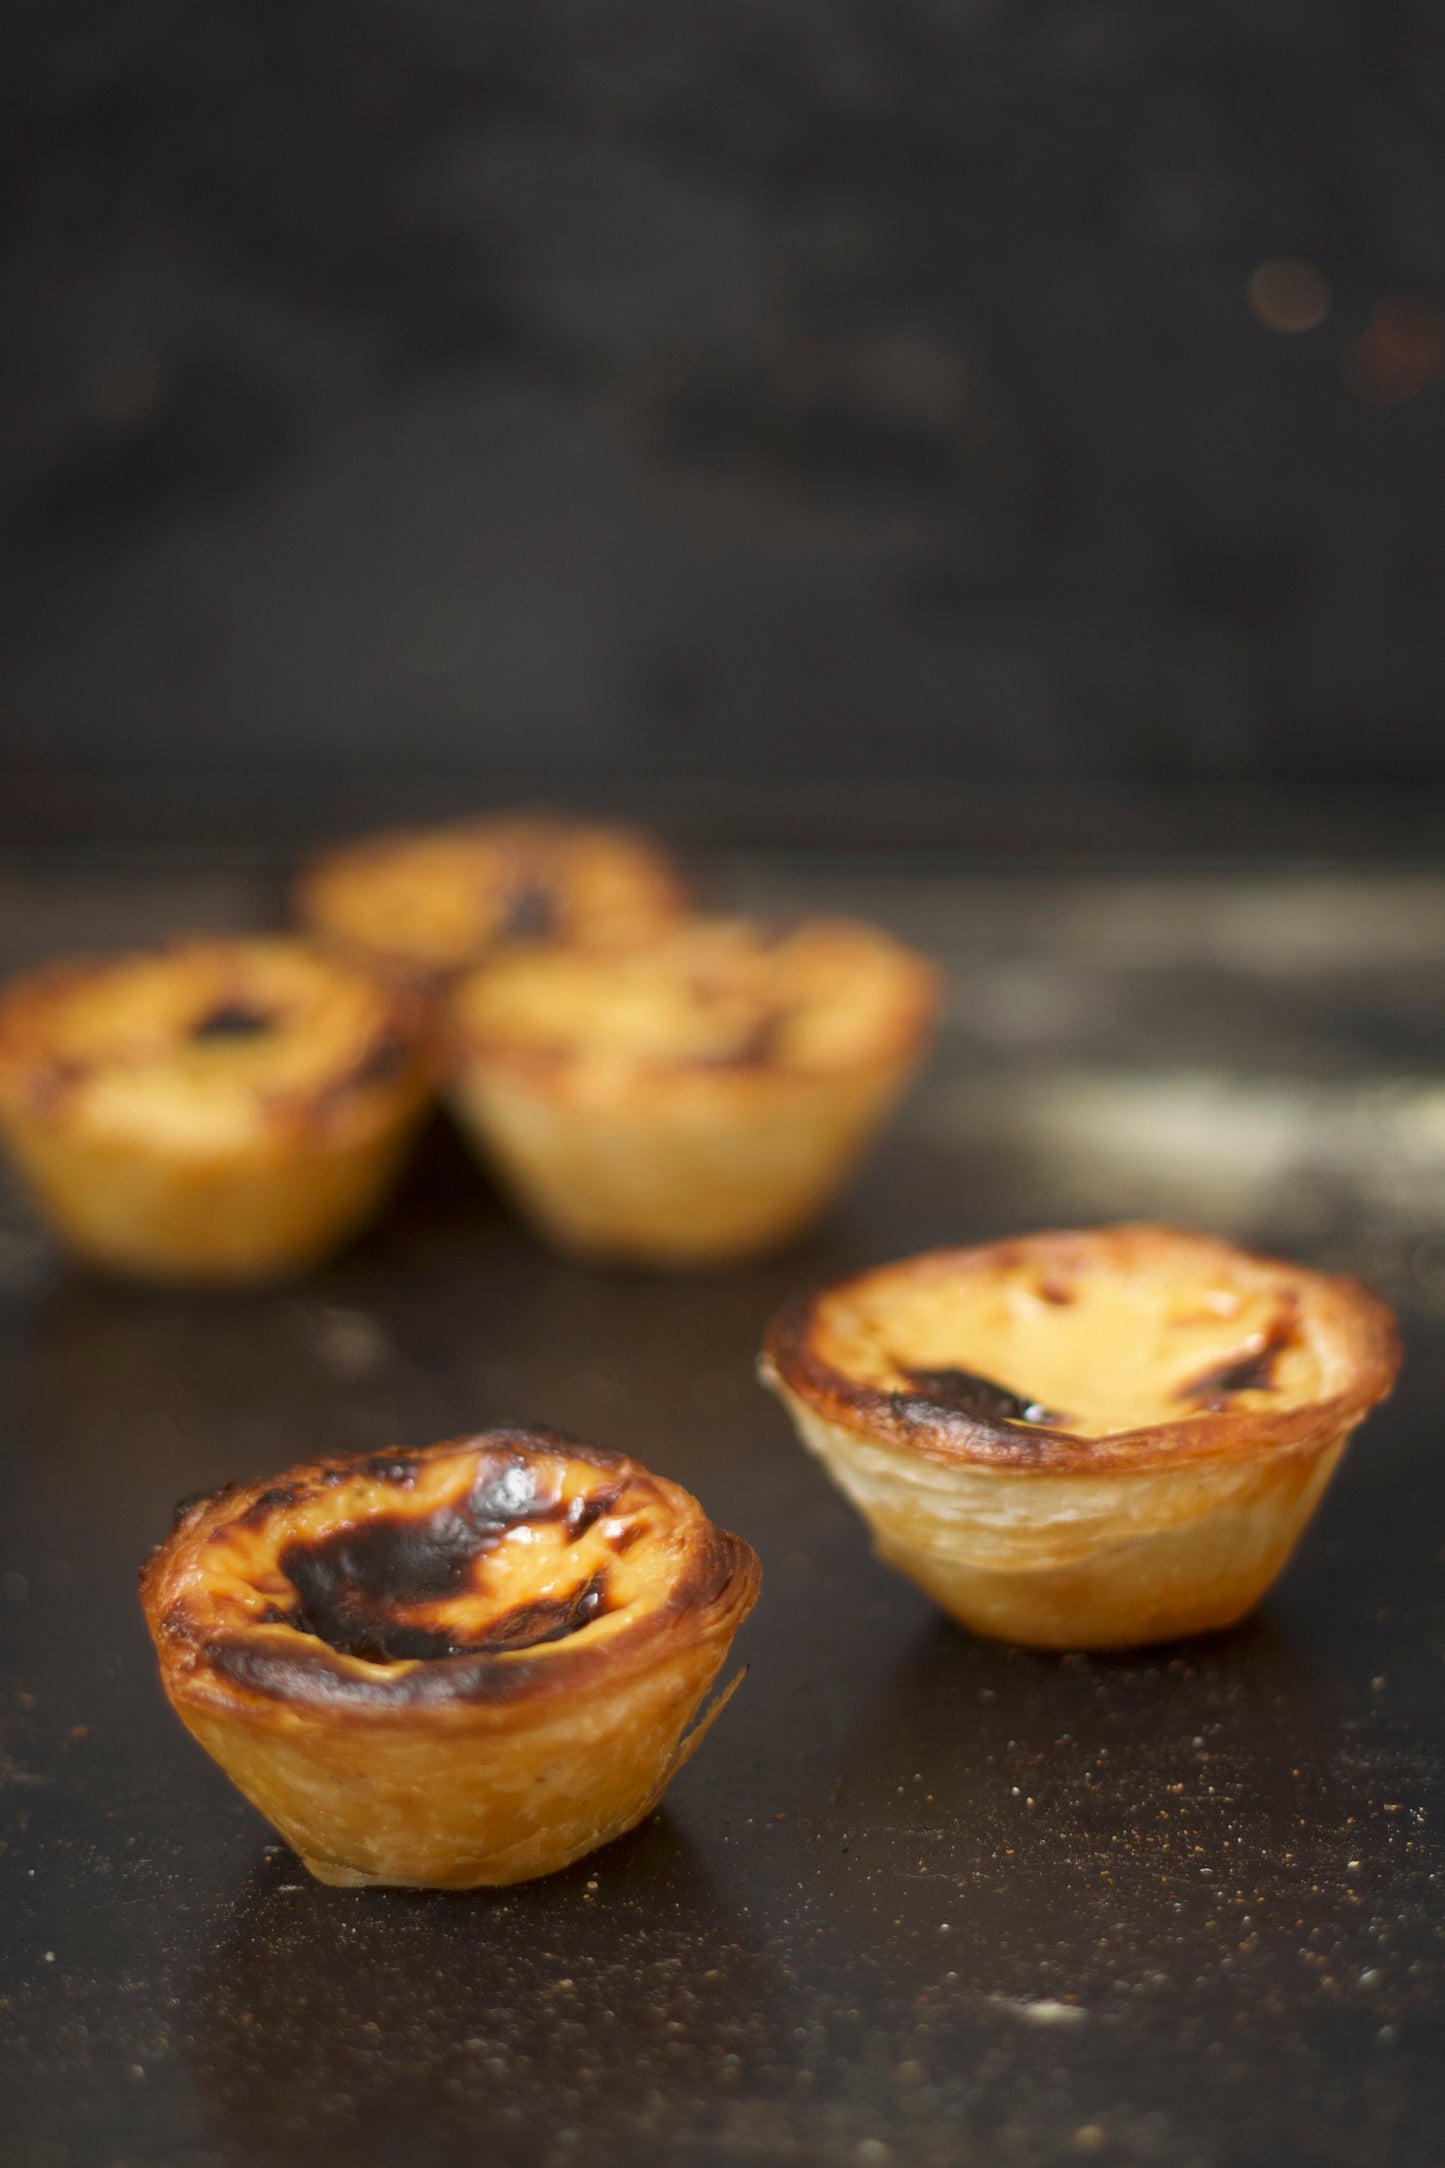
1085 1440
695 1099
465 1665
220 1111
428 902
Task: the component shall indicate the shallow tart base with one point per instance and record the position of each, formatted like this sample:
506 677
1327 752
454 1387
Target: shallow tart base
1242 1381
461 1667
471 1809
270 1211
1126 1563
695 1099
681 1173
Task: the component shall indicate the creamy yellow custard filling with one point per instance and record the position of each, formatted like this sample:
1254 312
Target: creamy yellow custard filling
1093 1346
721 993
408 1558
199 1048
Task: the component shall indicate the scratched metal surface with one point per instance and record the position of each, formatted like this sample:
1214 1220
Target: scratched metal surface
920 1899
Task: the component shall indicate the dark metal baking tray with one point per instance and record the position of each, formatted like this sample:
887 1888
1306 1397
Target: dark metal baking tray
920 1900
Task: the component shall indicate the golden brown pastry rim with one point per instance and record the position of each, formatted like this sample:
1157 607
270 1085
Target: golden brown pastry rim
242 1671
912 1424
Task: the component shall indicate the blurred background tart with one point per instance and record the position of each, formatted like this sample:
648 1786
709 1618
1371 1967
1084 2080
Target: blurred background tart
217 1111
695 1099
430 901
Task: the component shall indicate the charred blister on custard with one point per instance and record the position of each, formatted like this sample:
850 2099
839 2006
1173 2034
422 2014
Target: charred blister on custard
352 1587
405 1588
398 1468
758 1047
358 1589
233 1020
549 1618
380 1064
530 913
1311 1354
355 1588
269 1502
953 1391
1250 1371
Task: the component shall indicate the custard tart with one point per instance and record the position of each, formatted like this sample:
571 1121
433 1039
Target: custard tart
465 1665
220 1111
692 1100
1085 1440
430 901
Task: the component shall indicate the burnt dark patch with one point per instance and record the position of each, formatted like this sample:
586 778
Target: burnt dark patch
760 1044
378 1065
964 1392
1059 1292
531 913
399 1468
266 1502
354 1588
233 1020
386 1060
288 1674
585 1511
531 1625
627 1536
1250 1372
394 1642
50 1084
178 1621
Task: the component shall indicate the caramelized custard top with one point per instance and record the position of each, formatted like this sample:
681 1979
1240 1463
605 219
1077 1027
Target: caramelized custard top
204 1044
719 994
354 1579
1055 1341
432 900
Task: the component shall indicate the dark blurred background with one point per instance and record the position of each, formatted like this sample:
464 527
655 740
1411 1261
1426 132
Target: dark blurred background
968 390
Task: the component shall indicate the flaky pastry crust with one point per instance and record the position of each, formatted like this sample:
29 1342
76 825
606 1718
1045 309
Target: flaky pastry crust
697 1098
430 901
218 1111
1085 1439
465 1665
